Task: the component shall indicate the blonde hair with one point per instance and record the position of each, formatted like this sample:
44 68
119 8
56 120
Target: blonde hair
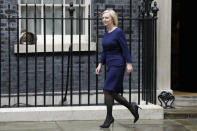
113 16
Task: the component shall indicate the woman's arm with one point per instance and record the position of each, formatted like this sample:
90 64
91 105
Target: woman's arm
103 57
125 50
124 46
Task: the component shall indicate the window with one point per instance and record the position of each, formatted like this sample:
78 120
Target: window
44 8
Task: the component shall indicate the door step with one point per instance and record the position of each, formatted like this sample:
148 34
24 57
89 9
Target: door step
185 101
185 107
180 113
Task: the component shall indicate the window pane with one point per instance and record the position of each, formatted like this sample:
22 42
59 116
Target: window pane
57 22
74 1
31 22
30 1
51 1
75 21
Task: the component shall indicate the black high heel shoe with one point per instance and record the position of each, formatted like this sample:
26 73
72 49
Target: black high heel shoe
107 122
136 114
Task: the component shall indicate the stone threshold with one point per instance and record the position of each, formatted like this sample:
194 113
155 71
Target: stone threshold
180 113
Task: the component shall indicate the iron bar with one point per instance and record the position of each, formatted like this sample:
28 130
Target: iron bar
18 59
9 61
71 9
26 58
62 55
143 62
53 58
35 55
44 55
105 67
97 24
79 16
0 62
130 45
139 60
151 59
89 55
155 60
122 20
153 48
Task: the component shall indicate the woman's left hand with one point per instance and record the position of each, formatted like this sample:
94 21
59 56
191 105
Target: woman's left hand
129 68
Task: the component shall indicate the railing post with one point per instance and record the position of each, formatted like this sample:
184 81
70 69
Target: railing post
79 17
97 40
88 54
18 65
130 45
35 55
9 58
44 59
149 50
154 11
62 55
53 58
0 62
71 11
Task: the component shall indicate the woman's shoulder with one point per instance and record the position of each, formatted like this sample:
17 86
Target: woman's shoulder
119 31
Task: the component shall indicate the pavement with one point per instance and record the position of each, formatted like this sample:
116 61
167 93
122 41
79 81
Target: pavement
118 125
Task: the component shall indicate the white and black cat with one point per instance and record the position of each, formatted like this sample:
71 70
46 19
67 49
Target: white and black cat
27 38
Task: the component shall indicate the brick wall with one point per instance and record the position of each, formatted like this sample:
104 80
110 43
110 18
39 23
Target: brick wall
102 4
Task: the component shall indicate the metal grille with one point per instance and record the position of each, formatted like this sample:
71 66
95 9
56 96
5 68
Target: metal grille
29 71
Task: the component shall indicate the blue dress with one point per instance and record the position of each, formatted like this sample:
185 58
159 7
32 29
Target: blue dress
115 55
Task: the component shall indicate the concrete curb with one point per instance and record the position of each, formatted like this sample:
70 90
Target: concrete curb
76 113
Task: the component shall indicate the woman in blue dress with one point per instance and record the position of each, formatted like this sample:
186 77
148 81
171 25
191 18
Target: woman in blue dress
116 56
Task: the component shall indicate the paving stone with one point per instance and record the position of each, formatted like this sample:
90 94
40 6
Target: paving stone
119 125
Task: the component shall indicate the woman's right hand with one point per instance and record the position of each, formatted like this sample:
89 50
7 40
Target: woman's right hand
98 69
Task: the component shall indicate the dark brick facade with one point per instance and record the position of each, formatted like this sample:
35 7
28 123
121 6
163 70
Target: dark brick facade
5 41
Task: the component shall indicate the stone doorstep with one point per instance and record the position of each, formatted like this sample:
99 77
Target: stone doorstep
185 107
180 116
182 97
185 101
180 113
76 113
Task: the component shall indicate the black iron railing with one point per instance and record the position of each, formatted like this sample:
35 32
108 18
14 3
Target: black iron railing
16 88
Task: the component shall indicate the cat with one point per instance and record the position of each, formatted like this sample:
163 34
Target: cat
27 37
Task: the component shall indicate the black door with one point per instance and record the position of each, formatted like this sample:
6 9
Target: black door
183 73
